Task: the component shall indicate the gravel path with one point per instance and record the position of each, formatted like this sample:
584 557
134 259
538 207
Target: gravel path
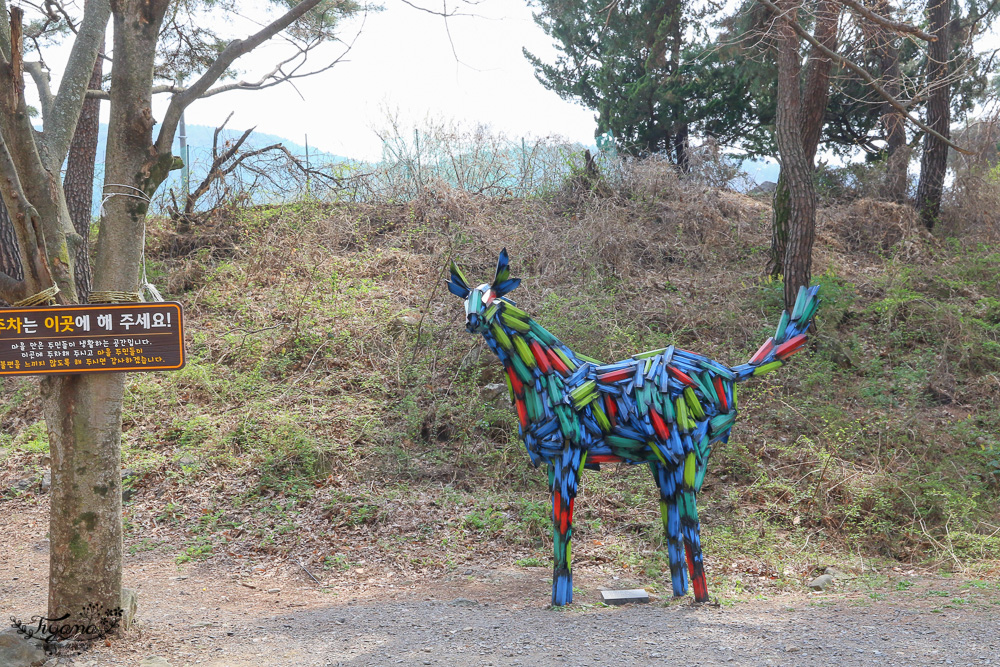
216 615
472 622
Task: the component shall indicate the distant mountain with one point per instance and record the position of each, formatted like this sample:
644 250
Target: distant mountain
760 170
199 141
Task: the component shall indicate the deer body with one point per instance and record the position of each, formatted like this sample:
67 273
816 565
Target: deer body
665 408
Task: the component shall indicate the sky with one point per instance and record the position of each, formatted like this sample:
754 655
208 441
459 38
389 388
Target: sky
403 61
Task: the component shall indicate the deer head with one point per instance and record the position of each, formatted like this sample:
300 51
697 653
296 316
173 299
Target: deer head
479 299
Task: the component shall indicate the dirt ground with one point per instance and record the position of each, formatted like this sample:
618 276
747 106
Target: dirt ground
206 614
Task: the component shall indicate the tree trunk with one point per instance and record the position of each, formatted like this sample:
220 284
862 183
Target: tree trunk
795 163
809 112
680 125
681 148
10 258
83 416
897 159
86 410
780 211
934 161
78 184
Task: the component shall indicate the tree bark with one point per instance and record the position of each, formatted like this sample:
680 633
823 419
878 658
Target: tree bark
780 212
85 410
78 183
10 258
83 416
934 161
796 163
791 205
897 150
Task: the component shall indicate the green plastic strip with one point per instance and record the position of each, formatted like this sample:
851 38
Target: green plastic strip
501 337
760 370
517 325
524 352
565 359
779 333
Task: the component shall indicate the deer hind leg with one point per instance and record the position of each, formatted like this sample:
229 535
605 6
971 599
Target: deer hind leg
563 482
692 543
671 516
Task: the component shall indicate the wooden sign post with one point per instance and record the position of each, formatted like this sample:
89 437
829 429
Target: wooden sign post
114 337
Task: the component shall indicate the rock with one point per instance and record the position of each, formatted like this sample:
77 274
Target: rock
494 391
186 460
16 651
407 320
464 602
821 582
130 607
23 484
838 352
834 572
154 661
46 481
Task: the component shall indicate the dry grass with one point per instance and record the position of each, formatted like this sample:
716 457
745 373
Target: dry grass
333 407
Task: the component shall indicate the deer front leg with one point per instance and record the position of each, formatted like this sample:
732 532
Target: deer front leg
670 513
563 482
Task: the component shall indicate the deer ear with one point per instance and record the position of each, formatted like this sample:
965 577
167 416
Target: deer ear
502 282
458 285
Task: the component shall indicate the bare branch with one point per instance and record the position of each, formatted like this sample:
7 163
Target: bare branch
217 171
887 23
236 49
17 51
60 124
443 13
58 7
278 75
40 76
862 72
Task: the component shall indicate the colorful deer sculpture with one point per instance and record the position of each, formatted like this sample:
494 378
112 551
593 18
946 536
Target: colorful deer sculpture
665 408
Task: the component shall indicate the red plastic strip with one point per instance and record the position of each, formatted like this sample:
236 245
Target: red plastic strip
790 347
557 363
540 357
721 391
515 382
659 425
615 376
682 376
522 412
764 350
611 409
697 576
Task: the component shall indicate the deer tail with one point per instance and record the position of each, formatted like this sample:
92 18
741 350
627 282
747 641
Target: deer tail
788 338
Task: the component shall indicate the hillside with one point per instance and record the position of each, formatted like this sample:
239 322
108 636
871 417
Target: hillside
334 412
